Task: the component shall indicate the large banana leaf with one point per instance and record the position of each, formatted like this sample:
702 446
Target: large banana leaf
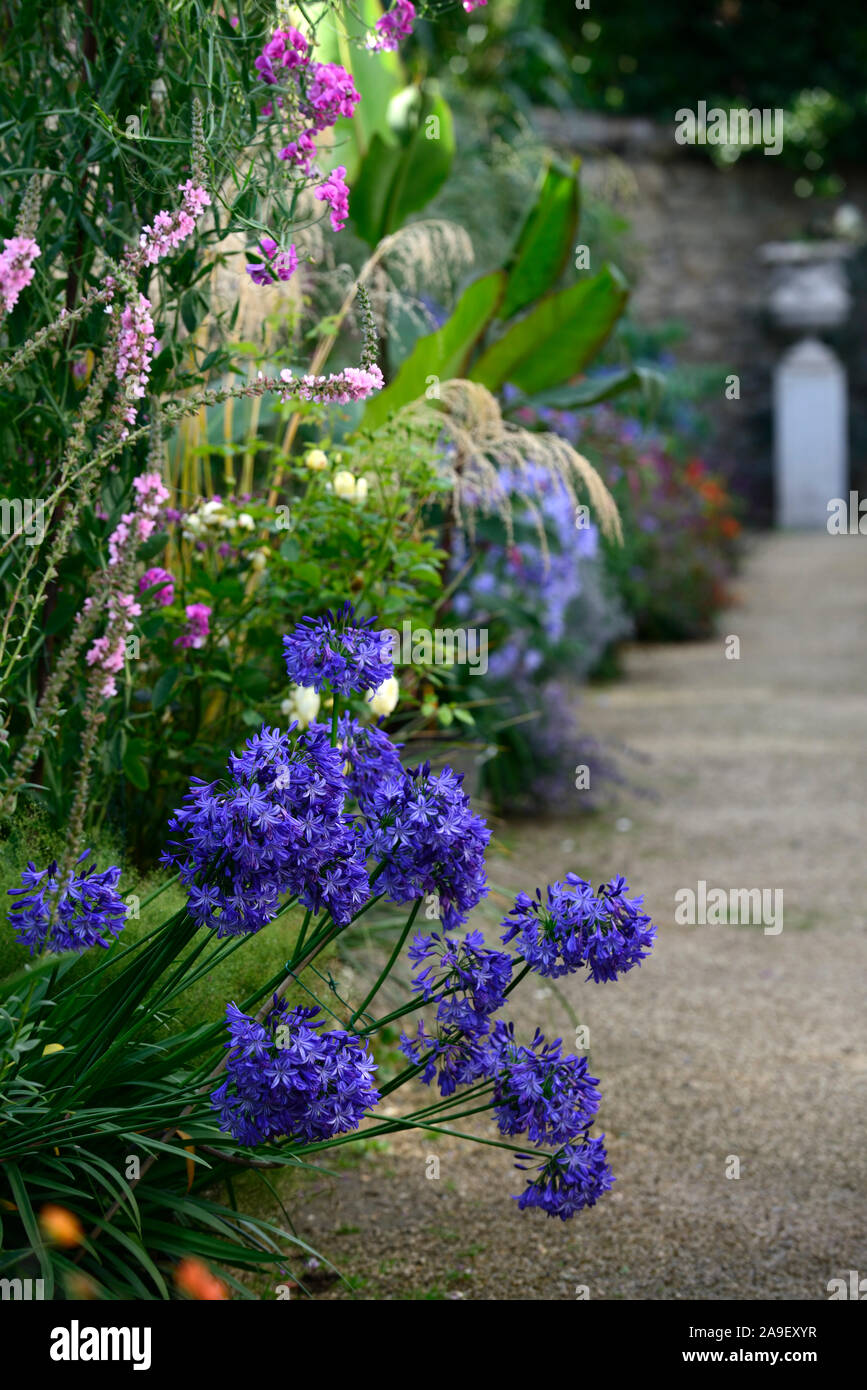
545 241
558 338
592 390
397 179
443 354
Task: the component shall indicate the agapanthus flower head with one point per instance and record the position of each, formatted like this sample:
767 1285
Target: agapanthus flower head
275 826
573 927
424 828
570 1180
539 1092
465 977
287 1079
370 755
338 650
71 915
454 1062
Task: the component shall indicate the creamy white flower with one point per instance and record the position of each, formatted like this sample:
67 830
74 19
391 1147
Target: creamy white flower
302 704
259 560
316 460
361 490
246 522
384 698
344 483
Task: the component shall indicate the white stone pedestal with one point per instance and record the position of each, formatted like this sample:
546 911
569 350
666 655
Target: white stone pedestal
810 445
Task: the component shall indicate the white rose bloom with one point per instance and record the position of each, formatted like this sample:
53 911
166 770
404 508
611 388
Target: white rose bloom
384 698
361 490
316 460
344 483
258 560
246 522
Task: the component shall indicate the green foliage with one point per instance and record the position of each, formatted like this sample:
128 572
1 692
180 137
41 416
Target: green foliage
397 177
550 343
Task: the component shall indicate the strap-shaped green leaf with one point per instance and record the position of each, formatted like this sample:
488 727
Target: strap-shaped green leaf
558 338
546 240
443 354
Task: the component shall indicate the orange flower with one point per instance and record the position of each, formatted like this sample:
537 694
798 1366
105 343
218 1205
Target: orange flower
80 1286
713 493
730 527
194 1279
60 1226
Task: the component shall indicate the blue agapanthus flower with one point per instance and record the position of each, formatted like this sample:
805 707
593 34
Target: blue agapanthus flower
573 927
539 1092
422 825
340 651
369 753
287 1079
277 825
74 915
570 1180
466 977
454 1062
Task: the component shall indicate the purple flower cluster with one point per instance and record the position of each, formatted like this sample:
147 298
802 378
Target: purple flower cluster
337 650
320 93
335 193
277 827
454 1062
162 582
135 347
285 1078
539 1092
16 267
393 26
276 263
466 977
574 927
573 1178
369 752
340 388
198 626
72 916
421 823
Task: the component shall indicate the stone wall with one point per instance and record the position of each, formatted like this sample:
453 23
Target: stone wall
695 234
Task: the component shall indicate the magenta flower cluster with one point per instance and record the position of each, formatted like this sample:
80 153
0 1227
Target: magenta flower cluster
335 193
393 26
198 626
317 95
277 264
16 267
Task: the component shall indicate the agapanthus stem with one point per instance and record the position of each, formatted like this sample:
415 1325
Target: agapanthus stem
388 967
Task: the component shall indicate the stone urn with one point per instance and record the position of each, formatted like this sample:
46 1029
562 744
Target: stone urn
808 295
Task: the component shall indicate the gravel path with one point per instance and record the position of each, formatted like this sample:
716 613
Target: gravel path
727 1043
